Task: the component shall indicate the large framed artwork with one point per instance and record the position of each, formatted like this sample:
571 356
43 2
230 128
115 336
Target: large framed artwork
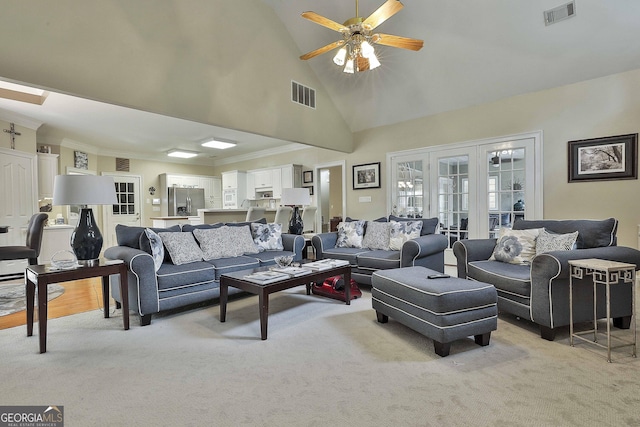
609 158
366 176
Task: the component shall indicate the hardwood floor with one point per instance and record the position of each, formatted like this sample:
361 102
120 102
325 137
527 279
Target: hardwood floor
79 296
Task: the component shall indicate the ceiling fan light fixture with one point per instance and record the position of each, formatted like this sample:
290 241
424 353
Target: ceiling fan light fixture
367 50
373 62
349 67
340 57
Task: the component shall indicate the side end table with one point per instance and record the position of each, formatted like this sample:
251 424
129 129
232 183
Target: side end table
39 276
605 273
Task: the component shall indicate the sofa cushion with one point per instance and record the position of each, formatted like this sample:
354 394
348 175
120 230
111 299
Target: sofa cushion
548 242
591 233
401 231
377 235
130 236
350 234
190 228
348 254
379 259
171 276
267 236
515 246
182 247
228 265
512 278
429 225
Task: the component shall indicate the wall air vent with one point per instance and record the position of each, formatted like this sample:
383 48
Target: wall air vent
303 95
122 165
560 13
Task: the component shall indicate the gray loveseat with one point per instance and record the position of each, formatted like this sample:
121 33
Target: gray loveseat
173 286
427 250
539 292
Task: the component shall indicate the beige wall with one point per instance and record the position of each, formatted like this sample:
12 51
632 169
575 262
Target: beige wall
218 62
26 141
600 107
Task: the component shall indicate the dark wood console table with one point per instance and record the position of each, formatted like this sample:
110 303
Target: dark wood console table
39 276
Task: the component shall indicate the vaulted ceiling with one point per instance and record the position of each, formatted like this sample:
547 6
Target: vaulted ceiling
474 52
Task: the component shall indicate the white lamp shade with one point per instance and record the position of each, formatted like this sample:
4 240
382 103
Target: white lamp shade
295 197
84 190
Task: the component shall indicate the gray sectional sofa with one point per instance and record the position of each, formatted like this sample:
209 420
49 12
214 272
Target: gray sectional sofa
427 250
539 291
173 286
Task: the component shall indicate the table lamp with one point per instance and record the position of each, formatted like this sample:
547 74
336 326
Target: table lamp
86 239
295 197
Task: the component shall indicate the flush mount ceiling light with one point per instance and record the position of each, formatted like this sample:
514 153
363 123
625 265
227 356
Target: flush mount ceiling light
220 145
356 47
183 154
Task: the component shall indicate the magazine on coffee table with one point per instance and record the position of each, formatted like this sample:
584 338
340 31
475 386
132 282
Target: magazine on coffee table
292 271
325 264
265 277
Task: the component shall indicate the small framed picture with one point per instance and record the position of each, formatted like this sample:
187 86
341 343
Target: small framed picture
80 160
366 176
307 177
310 190
609 158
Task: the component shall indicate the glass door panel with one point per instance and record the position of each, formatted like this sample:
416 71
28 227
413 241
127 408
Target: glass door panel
408 198
452 204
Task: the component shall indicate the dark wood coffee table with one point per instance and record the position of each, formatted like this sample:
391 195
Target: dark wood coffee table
236 279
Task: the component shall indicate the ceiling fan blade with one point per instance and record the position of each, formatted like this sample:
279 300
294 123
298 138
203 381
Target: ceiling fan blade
322 50
397 41
325 22
384 12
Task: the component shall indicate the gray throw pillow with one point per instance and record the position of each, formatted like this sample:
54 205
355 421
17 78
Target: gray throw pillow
225 242
377 235
548 242
182 247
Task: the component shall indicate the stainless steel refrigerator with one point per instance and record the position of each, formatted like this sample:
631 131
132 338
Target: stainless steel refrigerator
185 201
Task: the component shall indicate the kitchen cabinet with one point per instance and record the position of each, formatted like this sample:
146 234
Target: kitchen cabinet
273 180
212 191
47 170
234 189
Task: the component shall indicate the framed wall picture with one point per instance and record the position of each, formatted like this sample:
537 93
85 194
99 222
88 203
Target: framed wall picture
609 158
310 190
80 160
366 176
307 177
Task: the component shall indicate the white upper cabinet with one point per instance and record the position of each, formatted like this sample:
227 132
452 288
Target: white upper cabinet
47 170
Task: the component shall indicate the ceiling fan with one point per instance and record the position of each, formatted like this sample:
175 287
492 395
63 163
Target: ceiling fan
356 47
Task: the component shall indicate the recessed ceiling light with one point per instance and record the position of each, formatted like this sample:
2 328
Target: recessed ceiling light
183 154
220 145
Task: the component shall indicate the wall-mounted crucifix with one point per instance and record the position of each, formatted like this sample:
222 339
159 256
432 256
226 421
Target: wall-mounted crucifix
13 133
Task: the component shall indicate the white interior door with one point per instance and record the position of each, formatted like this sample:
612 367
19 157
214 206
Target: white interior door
18 201
128 209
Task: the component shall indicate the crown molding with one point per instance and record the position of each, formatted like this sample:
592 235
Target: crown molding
11 117
70 143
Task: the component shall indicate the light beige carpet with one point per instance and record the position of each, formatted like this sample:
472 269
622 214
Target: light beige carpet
324 364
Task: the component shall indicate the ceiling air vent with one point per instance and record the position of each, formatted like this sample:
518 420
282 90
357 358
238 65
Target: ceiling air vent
122 165
303 95
560 13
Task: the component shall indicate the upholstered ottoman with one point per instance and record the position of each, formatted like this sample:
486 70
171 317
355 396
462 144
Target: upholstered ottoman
444 309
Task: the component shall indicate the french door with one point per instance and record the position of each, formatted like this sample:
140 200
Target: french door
474 189
126 211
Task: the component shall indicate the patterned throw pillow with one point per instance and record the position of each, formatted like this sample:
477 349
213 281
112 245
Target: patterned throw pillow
350 234
267 236
225 242
157 248
516 246
548 242
401 231
377 235
182 247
